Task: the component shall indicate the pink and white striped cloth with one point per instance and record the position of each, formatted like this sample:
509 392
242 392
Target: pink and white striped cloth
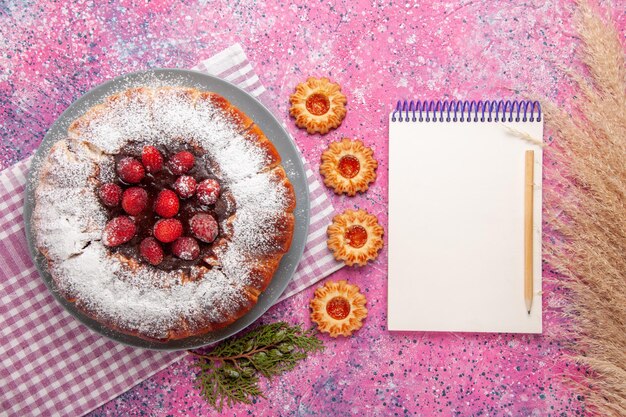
51 364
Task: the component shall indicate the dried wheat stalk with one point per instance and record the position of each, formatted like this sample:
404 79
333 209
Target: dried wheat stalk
586 205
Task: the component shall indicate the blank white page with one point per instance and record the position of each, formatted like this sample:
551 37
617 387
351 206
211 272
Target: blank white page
456 227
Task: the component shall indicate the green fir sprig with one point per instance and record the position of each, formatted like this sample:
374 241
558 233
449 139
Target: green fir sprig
229 373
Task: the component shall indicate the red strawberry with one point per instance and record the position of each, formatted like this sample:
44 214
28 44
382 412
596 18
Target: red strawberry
186 248
208 191
151 251
152 159
110 194
130 170
185 186
204 227
166 204
118 230
134 200
181 162
168 230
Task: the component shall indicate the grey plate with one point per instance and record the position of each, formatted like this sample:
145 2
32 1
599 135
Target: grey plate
270 126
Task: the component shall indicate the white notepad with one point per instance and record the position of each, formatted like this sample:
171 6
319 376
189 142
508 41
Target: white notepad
456 219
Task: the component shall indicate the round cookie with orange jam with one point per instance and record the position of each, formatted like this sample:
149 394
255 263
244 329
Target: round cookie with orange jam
348 166
338 308
318 105
355 237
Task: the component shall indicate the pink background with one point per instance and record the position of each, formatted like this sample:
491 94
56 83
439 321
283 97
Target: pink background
50 54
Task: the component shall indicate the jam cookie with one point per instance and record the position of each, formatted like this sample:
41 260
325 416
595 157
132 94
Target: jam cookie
355 237
348 166
338 308
318 105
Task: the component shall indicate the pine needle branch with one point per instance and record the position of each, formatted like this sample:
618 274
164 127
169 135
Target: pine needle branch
229 373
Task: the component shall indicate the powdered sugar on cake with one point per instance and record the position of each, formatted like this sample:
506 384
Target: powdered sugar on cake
69 220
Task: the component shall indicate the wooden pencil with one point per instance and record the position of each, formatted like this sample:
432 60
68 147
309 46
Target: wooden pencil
528 228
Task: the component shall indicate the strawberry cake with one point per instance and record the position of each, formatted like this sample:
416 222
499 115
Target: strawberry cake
164 213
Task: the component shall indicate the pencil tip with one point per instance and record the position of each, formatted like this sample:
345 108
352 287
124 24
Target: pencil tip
529 312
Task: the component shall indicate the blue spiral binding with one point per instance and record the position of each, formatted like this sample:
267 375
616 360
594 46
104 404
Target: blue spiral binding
462 111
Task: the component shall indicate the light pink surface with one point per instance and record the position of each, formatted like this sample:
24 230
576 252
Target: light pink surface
52 53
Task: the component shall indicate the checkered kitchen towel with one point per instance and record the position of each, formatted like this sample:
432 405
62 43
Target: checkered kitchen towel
52 364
